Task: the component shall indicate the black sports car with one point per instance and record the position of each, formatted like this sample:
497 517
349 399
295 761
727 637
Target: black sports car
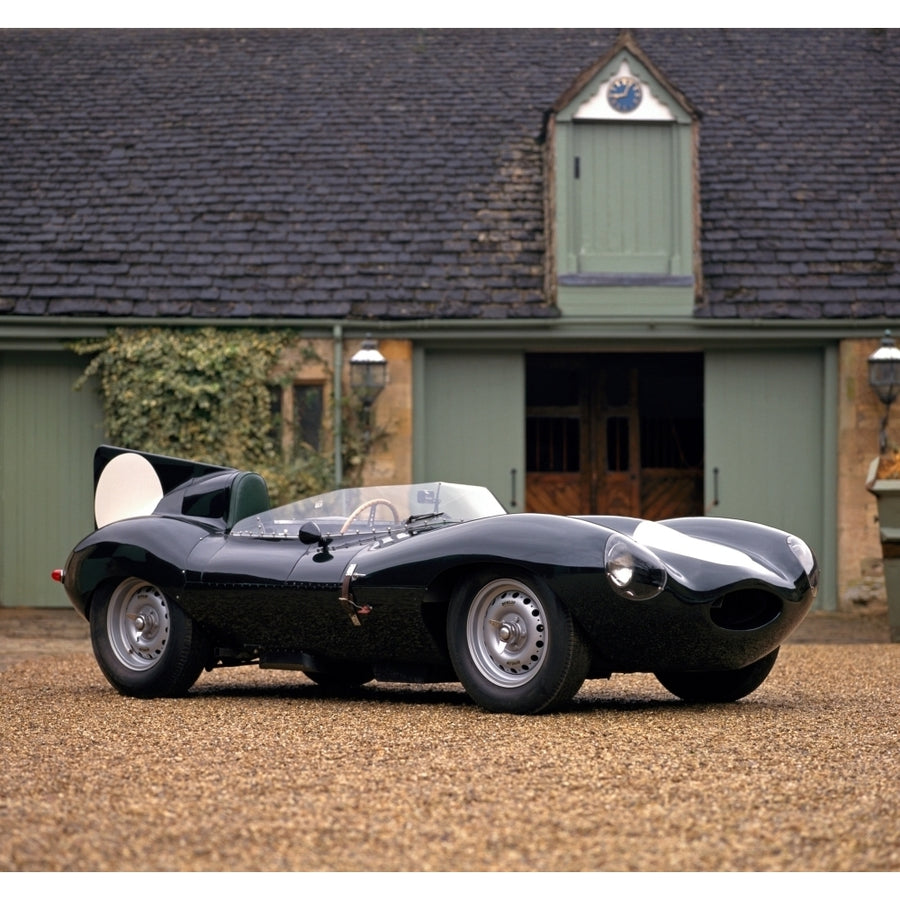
190 568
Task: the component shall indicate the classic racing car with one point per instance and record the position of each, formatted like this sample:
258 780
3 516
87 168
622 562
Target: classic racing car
190 568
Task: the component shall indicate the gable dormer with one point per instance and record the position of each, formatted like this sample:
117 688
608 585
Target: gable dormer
626 196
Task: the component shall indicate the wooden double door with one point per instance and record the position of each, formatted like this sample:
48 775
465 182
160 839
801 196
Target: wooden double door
615 434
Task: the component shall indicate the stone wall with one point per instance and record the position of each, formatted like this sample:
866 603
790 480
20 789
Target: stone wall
390 458
859 570
390 461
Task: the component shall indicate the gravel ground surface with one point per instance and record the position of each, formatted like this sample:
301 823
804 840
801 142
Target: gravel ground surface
260 771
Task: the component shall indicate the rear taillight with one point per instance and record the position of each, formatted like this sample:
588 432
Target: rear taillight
58 575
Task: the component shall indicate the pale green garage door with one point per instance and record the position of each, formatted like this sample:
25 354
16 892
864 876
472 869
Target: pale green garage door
470 422
48 433
767 423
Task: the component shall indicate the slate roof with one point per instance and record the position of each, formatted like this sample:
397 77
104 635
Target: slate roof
399 174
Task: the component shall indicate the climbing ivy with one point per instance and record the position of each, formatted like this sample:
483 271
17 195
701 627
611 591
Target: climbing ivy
202 394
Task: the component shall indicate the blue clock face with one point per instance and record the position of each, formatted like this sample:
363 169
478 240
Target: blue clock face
624 94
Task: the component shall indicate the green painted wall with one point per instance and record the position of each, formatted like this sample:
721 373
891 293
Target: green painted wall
48 433
652 302
470 422
766 443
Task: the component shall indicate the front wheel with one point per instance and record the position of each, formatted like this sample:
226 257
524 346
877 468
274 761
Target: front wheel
718 687
146 645
513 644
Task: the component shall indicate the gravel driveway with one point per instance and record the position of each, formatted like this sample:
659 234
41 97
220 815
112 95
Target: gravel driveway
258 770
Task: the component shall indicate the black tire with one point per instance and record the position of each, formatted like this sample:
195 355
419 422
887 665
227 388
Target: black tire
145 644
718 686
514 646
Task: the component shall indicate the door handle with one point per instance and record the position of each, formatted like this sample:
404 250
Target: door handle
715 499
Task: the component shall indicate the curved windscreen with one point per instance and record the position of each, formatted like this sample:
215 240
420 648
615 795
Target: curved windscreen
376 508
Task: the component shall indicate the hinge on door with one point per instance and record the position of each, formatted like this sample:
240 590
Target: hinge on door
578 167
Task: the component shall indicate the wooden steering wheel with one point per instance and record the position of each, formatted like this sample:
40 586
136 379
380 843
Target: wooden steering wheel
371 504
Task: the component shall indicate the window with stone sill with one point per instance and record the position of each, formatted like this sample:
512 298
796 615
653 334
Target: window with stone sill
296 416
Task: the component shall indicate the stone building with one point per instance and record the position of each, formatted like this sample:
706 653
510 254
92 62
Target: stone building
632 272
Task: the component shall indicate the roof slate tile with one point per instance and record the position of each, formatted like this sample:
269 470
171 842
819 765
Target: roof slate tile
341 173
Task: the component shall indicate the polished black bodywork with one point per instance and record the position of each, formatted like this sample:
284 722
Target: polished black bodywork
379 596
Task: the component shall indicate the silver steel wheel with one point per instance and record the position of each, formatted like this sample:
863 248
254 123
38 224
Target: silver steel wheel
506 633
137 624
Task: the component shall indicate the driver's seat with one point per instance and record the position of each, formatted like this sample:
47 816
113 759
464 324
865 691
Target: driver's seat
249 496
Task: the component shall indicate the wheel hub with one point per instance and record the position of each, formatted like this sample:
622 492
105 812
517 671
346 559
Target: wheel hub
146 622
509 643
511 632
138 624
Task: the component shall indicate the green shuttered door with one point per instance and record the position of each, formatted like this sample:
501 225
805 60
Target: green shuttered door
627 214
765 444
48 433
473 422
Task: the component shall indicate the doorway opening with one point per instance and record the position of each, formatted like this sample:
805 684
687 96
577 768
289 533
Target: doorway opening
614 434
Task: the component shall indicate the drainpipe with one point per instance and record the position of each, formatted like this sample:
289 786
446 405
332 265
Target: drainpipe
338 416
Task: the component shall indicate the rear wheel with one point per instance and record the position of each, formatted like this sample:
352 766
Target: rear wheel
718 687
145 645
513 644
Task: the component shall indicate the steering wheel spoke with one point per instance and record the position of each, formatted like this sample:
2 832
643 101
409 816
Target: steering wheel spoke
370 505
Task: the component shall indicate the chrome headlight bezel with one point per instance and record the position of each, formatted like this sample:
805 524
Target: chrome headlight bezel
806 558
633 571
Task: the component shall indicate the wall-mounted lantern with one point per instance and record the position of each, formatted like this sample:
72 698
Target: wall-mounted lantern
368 376
368 372
884 378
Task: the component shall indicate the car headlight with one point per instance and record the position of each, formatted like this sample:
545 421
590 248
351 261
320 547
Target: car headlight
633 571
807 559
